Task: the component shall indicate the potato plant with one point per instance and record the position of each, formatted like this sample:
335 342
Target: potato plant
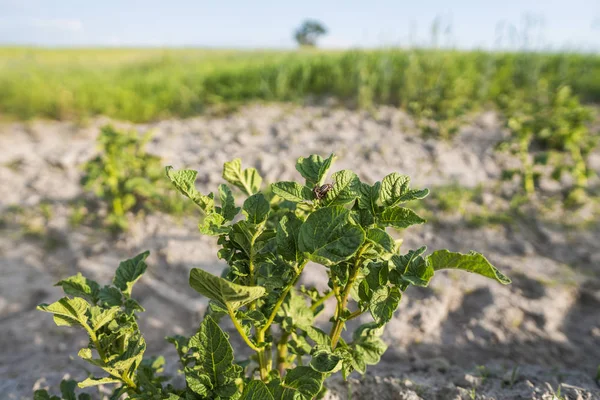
554 123
127 178
339 223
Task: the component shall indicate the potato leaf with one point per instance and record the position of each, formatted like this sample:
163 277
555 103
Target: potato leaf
228 208
256 208
345 189
314 169
399 217
471 262
129 272
68 312
328 236
215 360
248 180
300 383
292 191
185 181
225 292
256 390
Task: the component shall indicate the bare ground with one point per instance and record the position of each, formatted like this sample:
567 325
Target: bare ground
463 338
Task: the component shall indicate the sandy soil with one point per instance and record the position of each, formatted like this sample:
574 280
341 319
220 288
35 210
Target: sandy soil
463 338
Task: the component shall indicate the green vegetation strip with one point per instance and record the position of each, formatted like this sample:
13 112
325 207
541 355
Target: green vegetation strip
148 84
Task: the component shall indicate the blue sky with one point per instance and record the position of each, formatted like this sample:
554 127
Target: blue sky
554 24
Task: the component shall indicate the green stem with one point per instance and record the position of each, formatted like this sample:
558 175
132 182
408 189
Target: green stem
259 230
282 353
336 330
263 357
240 329
282 298
317 303
95 341
355 314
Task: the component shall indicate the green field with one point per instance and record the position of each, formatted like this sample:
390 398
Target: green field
149 84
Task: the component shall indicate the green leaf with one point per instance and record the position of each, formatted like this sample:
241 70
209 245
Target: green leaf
228 208
256 390
129 272
393 187
215 358
384 302
381 239
101 317
414 195
43 395
329 237
300 383
110 296
130 358
314 169
471 262
318 336
198 383
256 208
97 381
325 361
399 217
225 292
67 312
395 190
411 268
292 191
378 275
185 181
67 389
80 286
371 348
296 313
288 229
368 196
345 189
213 225
247 180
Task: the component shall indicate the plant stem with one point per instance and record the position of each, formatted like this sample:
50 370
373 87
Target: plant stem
240 329
95 341
336 330
259 230
282 298
282 353
260 333
355 314
322 300
262 362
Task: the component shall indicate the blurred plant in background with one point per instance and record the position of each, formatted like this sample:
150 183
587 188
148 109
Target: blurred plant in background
127 178
550 127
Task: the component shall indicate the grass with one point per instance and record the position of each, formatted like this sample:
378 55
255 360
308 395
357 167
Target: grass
148 84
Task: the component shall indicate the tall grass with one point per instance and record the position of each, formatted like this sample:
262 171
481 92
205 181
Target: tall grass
148 84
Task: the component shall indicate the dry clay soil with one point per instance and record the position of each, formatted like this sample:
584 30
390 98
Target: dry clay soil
464 337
